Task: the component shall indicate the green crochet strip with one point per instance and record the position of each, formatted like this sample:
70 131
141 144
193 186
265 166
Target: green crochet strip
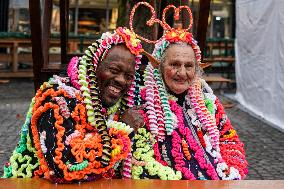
164 102
25 167
7 172
144 152
30 146
79 166
22 143
114 108
210 105
17 169
21 165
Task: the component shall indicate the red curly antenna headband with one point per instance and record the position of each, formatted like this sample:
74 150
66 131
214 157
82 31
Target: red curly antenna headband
163 23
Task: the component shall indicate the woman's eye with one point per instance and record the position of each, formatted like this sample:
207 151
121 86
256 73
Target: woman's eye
114 70
188 65
175 64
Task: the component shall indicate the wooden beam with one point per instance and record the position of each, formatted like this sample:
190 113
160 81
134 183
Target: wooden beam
76 17
64 18
4 16
107 15
185 16
19 74
36 38
4 81
15 57
233 20
47 10
211 79
204 8
162 5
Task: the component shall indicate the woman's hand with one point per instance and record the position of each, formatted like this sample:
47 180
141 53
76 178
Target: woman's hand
133 117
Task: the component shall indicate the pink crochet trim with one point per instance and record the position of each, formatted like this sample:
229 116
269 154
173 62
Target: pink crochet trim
178 156
232 149
203 114
72 72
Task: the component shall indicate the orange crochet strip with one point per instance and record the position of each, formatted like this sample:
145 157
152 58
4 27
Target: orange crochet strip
231 148
185 150
78 144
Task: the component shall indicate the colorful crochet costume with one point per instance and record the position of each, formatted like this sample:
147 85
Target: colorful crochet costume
192 141
68 135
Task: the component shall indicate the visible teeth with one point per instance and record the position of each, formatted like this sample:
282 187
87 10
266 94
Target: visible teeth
114 89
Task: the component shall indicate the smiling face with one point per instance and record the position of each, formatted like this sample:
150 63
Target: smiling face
178 67
115 74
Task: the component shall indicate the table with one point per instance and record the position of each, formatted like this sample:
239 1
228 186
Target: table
141 184
14 57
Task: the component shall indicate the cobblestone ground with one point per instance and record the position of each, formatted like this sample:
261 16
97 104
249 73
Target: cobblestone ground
14 101
264 144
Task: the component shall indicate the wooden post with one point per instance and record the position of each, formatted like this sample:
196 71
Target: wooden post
4 14
163 5
15 57
233 20
122 9
64 18
204 7
46 31
107 15
15 19
76 17
36 38
185 16
156 28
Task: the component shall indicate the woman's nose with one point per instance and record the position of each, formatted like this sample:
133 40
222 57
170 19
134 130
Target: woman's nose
182 71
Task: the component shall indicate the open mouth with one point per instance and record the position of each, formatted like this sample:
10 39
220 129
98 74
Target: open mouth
114 91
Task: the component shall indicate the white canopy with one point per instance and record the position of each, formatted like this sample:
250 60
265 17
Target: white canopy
260 58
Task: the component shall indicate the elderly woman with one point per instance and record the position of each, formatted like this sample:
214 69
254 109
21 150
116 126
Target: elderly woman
72 130
187 134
